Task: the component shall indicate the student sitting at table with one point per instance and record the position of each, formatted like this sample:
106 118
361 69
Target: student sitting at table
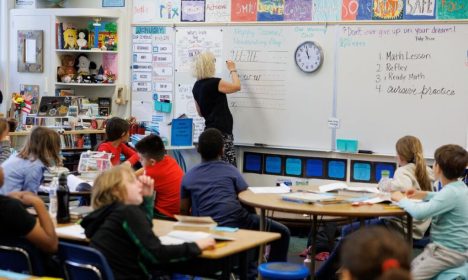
117 134
212 187
25 170
17 222
449 211
375 253
166 173
121 226
411 173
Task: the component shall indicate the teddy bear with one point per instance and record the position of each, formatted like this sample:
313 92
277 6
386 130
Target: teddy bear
67 71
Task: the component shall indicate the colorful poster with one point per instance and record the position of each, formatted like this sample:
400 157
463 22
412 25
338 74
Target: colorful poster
270 10
243 10
144 11
193 10
218 11
420 9
349 9
192 41
168 10
452 9
364 10
298 10
384 9
326 10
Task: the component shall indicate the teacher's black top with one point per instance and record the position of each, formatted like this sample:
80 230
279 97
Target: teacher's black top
213 104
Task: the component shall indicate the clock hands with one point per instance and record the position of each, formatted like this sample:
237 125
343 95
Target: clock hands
307 52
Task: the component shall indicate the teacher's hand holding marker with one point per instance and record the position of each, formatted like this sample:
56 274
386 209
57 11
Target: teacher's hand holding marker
210 92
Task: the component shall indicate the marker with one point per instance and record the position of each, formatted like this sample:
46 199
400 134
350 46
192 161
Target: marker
259 145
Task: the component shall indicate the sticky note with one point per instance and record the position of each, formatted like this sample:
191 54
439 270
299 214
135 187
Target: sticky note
337 169
314 167
273 164
293 166
361 171
253 162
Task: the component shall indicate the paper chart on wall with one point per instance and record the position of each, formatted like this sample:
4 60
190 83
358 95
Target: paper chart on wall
218 11
192 41
144 10
185 104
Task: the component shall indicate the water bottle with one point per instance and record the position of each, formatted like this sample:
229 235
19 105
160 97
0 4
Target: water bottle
384 183
53 197
63 196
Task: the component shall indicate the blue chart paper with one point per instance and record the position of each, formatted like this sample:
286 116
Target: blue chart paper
182 132
273 164
362 171
380 166
314 168
293 166
337 169
113 3
252 162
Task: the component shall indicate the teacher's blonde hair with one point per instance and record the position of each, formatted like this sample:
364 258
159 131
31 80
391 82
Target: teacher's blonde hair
109 186
203 65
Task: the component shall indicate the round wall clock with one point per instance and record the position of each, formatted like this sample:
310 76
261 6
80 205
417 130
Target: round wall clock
308 56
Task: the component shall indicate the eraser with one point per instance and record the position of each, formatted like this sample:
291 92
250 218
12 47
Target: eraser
365 152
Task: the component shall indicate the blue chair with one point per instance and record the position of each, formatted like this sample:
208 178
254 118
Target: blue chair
283 270
82 262
15 259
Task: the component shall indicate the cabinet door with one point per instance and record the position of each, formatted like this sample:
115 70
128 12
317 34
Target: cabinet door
30 22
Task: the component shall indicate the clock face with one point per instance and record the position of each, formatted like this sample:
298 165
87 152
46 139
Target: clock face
308 57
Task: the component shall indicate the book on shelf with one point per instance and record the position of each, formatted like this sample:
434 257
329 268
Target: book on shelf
194 223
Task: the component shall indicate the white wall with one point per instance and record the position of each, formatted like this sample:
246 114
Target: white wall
5 6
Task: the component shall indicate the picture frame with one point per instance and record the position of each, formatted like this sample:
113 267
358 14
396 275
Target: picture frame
30 51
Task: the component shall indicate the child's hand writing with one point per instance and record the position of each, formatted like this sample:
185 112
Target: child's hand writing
397 196
206 243
147 185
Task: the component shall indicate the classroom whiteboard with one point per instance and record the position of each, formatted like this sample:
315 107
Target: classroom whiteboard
278 105
403 79
369 81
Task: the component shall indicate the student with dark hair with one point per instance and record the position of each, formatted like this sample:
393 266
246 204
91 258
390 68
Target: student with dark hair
212 187
375 253
17 222
449 211
166 173
117 133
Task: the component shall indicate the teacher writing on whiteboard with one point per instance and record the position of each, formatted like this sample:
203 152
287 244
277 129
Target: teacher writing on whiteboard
209 93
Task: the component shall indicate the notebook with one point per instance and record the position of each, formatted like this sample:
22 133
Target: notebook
305 197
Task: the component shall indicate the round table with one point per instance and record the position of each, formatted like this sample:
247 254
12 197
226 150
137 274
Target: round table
342 209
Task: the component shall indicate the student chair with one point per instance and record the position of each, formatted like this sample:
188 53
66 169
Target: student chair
283 271
82 262
15 259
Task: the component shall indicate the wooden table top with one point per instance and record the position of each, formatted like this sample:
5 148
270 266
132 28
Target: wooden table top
274 202
244 239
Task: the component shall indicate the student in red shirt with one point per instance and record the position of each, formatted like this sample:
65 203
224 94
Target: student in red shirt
166 173
116 136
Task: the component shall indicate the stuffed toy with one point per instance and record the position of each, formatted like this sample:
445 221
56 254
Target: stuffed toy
83 63
67 71
70 37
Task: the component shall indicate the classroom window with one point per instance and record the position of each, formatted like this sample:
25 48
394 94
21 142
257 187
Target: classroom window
337 169
381 166
314 167
361 171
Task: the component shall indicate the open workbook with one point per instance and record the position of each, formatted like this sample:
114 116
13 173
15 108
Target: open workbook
180 236
342 186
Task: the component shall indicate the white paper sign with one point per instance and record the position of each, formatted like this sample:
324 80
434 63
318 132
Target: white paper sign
333 123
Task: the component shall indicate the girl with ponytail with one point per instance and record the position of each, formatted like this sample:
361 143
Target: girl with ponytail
412 173
375 253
